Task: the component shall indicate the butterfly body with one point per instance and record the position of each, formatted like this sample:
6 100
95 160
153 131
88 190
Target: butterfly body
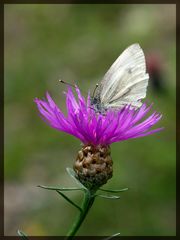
125 83
98 105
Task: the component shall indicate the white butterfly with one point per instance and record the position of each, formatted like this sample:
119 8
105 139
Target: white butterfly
124 83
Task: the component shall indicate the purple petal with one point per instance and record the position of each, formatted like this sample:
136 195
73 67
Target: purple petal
96 128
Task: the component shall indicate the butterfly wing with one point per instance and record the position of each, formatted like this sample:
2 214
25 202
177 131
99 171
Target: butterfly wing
126 81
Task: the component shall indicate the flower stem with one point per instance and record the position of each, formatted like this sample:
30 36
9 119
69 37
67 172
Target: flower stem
86 205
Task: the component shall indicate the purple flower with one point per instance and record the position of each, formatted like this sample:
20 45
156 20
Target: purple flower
95 128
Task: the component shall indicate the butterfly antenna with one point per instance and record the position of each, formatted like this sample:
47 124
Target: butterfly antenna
95 89
70 84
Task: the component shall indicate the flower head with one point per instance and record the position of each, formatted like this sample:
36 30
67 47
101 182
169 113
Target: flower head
93 128
93 165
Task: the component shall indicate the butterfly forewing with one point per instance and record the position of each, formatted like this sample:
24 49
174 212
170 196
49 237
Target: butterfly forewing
126 81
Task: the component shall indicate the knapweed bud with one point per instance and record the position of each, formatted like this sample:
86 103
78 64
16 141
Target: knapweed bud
93 166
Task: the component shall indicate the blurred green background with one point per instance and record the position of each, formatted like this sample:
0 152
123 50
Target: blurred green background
78 43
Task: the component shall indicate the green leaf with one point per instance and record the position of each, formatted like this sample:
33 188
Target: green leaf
114 191
22 234
107 196
69 200
114 235
72 174
59 189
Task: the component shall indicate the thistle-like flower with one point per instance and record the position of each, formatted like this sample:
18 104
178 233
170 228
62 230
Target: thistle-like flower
97 131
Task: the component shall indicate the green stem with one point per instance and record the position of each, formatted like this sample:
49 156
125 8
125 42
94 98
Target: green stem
86 205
